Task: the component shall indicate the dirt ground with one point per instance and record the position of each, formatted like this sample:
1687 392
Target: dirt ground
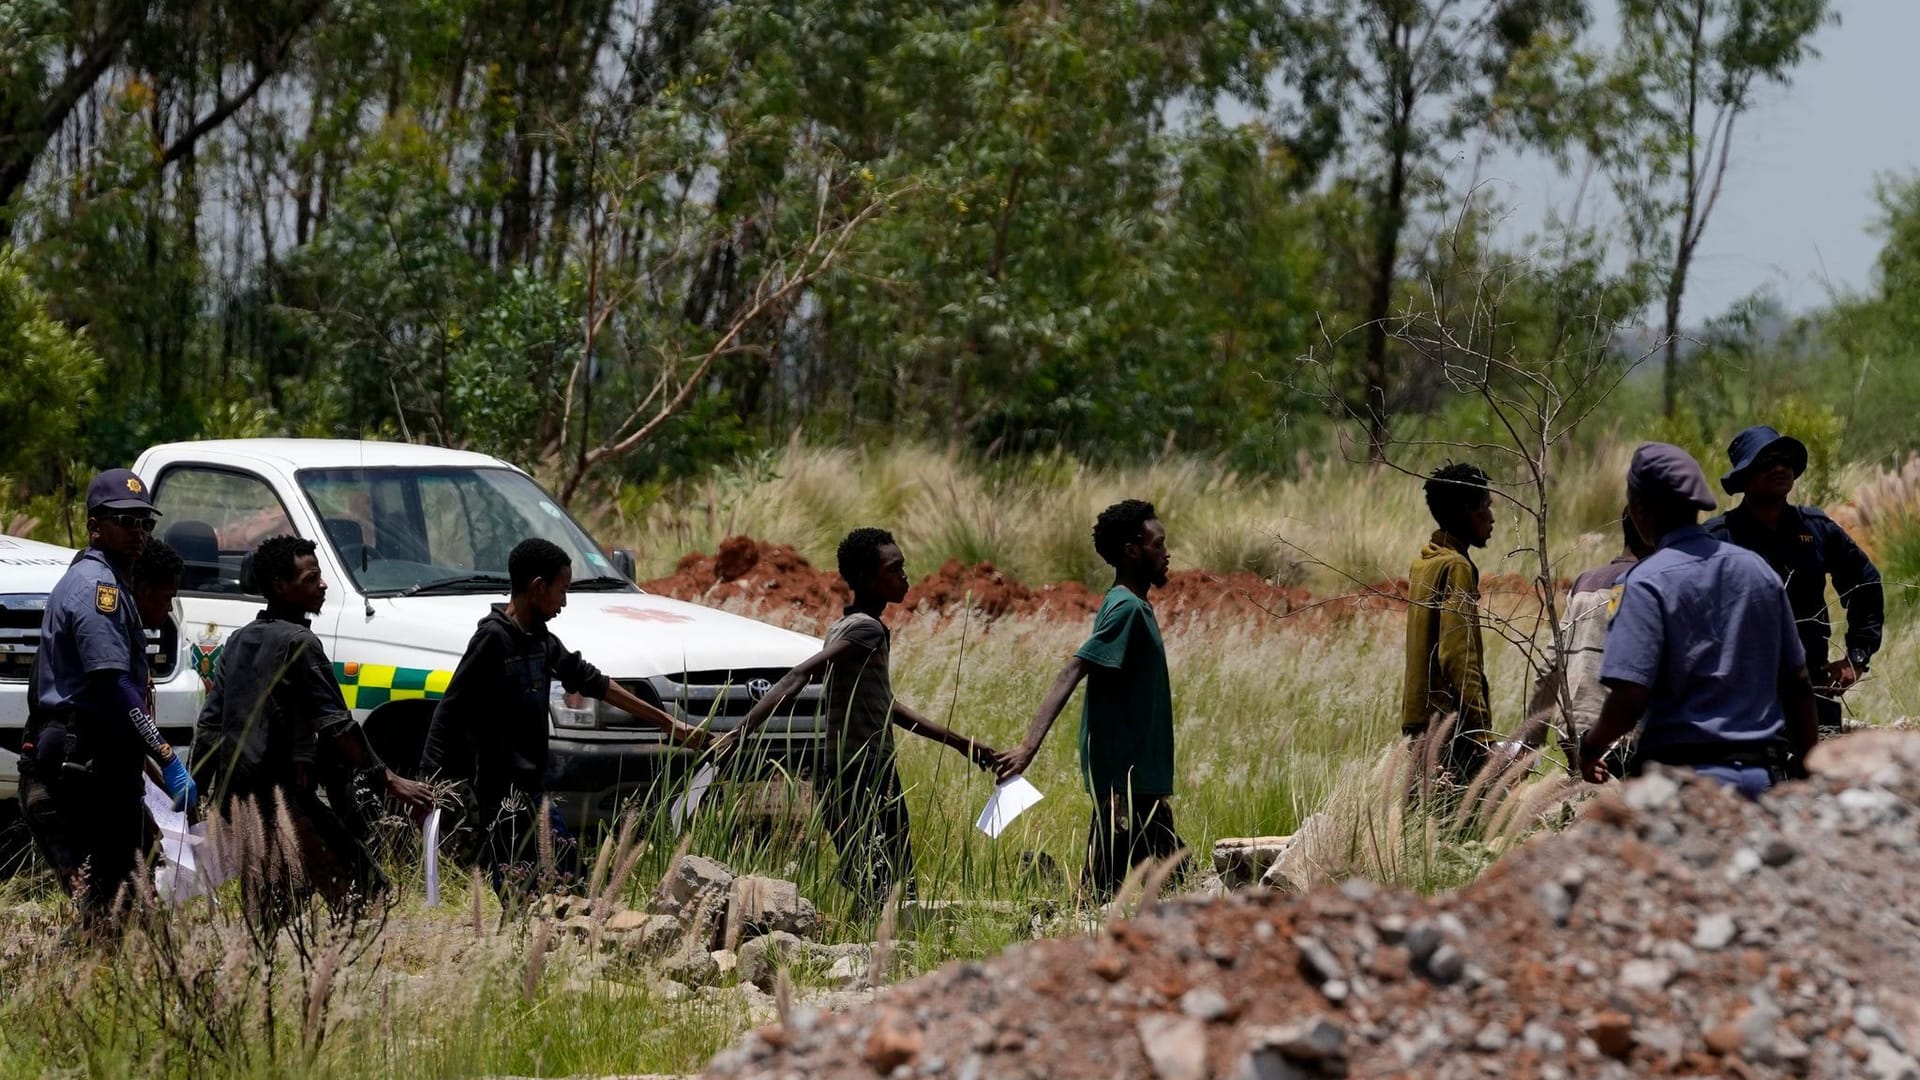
1674 930
777 582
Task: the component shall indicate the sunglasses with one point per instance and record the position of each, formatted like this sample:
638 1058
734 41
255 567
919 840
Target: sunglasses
132 522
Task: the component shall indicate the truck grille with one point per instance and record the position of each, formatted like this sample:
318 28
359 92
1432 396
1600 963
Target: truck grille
724 698
20 639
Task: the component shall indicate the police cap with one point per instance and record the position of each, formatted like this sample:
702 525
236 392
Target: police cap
1663 473
119 489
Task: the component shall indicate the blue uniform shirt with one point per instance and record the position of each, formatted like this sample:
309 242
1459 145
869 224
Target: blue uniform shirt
90 625
1705 626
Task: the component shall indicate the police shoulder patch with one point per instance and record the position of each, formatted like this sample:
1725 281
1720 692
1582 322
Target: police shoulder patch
106 599
1613 600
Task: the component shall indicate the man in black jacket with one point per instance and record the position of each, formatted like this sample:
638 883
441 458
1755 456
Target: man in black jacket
489 732
274 720
1805 547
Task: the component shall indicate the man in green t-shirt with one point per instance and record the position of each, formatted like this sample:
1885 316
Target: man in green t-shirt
1126 728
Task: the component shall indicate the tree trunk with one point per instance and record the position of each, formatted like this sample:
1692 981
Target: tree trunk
1386 257
1670 376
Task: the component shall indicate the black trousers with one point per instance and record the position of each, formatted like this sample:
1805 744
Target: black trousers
1126 832
326 854
93 830
865 811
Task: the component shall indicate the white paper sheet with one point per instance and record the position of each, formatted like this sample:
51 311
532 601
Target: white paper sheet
683 807
430 854
1009 801
188 865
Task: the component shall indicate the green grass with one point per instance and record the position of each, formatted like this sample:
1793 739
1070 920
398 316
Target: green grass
1277 718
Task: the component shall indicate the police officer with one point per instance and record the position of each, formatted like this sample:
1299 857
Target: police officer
90 726
1805 547
1703 656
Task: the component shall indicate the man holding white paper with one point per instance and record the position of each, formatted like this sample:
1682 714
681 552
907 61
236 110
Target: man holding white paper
1126 728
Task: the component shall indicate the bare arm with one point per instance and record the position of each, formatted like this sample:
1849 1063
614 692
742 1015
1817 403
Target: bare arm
626 700
908 719
790 684
1015 761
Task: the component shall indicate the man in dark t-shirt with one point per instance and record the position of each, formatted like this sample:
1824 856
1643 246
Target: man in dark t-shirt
272 719
1126 726
862 803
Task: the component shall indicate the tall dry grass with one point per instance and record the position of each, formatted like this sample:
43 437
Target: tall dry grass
1321 524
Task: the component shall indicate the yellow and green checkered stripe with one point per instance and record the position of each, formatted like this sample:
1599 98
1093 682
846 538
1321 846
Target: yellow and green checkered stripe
369 686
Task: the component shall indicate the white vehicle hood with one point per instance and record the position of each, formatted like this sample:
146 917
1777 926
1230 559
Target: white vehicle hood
626 635
29 566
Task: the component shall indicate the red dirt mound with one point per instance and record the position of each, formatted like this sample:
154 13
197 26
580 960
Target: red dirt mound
765 575
775 580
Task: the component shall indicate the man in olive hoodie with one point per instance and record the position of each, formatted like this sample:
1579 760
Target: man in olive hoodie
489 732
1446 660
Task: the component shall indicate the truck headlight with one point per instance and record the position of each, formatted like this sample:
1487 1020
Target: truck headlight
573 710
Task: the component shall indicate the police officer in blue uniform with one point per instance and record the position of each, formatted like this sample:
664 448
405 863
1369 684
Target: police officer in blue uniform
1805 547
1703 656
90 730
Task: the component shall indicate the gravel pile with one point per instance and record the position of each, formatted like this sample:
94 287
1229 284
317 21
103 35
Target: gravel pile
1674 930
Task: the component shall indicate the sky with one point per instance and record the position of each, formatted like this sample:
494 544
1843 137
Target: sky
1796 214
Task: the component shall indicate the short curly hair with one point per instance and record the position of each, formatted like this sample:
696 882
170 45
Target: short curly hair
1453 490
859 554
1121 524
158 564
274 559
535 558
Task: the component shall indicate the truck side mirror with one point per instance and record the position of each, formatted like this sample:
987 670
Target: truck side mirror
623 562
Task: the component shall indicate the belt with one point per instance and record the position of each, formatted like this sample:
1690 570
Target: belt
1768 754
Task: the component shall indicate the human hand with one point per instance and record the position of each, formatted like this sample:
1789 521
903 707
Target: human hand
409 792
983 755
1013 762
692 738
722 748
1593 767
1841 675
180 785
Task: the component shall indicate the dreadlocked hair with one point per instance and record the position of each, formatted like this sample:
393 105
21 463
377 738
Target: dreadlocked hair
1453 490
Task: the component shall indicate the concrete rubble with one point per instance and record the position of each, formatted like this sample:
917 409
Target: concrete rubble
1675 929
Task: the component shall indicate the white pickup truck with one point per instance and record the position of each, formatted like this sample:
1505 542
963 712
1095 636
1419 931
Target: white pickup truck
413 542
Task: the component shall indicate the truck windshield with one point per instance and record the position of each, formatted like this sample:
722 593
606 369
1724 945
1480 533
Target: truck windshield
424 531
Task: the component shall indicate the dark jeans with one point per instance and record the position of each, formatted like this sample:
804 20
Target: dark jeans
865 811
1125 833
92 831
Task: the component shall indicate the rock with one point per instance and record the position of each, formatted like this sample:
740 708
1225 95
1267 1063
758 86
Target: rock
1446 965
1655 791
1317 960
1646 976
892 1043
1318 1039
1714 932
1205 1003
1312 856
691 879
725 962
761 905
579 926
1612 1032
1556 903
761 958
657 936
1777 852
914 916
1243 860
1176 1046
1492 1038
627 919
847 972
693 965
